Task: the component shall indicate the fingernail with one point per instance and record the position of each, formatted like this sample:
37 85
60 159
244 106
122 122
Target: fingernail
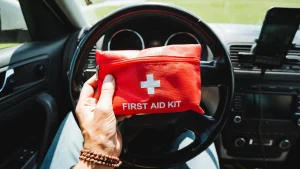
108 78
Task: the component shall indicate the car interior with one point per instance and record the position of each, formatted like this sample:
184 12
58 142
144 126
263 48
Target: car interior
252 115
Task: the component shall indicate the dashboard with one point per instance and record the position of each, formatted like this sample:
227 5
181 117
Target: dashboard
280 87
265 113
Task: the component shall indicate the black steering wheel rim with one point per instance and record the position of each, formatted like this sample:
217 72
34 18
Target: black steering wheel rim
208 69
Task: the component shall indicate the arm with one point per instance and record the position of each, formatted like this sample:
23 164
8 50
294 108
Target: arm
97 121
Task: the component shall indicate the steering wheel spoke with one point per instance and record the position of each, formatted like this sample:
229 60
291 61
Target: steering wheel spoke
209 119
214 73
197 123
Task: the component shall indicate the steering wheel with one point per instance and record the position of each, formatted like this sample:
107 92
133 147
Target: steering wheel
217 72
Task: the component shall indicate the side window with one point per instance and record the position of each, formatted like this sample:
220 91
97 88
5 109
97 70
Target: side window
13 29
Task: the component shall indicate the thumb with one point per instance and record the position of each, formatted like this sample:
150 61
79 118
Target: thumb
107 91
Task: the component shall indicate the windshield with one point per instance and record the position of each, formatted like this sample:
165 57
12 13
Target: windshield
211 11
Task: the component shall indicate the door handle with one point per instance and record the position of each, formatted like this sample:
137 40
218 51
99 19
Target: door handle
7 80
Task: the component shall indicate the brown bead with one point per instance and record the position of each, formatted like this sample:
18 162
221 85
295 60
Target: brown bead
101 159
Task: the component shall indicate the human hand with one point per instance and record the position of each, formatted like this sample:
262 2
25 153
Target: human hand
96 117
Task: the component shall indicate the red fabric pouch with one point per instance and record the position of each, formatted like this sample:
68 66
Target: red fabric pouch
154 80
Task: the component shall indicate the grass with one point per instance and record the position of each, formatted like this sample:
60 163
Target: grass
6 45
101 12
214 11
222 11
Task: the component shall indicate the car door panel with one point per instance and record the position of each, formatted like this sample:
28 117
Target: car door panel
28 78
30 100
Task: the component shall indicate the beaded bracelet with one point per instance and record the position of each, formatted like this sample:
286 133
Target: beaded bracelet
100 159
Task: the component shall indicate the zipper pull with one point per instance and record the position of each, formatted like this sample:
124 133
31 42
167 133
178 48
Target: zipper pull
97 70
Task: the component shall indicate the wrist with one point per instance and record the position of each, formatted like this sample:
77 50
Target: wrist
103 144
105 148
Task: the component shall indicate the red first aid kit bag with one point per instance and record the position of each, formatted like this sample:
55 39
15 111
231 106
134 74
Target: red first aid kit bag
154 80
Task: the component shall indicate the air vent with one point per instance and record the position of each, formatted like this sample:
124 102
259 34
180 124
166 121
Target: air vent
91 61
293 57
90 64
292 61
240 61
93 53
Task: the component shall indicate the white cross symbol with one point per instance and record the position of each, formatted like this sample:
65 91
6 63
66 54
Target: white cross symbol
150 84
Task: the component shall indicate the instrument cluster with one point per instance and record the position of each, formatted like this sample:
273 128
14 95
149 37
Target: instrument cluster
128 39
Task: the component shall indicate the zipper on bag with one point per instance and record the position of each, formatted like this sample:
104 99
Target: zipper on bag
151 59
